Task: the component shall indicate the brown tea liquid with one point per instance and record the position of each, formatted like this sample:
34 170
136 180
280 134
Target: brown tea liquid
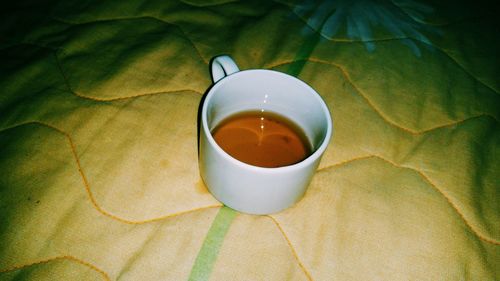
262 139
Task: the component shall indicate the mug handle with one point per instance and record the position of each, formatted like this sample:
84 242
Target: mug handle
222 66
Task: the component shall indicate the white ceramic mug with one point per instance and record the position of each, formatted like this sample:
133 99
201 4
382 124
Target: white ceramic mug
247 188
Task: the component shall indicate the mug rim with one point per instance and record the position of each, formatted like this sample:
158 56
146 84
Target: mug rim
296 166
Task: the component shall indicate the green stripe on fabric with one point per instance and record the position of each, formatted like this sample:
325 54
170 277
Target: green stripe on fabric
209 251
303 54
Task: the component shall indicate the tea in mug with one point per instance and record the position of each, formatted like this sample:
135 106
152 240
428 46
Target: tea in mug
263 139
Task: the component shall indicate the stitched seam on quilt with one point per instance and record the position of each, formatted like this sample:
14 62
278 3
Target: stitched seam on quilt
68 85
294 252
429 182
136 18
344 72
89 191
66 81
464 69
378 111
102 211
70 258
73 148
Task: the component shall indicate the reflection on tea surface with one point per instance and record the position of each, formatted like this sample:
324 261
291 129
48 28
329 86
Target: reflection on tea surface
262 138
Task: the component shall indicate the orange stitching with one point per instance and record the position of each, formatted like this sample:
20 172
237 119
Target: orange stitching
333 40
347 77
466 71
70 258
458 123
66 81
166 216
291 247
345 162
484 238
345 40
89 192
140 17
379 112
423 176
133 96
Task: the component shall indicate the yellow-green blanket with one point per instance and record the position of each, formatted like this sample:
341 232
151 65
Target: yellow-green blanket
99 177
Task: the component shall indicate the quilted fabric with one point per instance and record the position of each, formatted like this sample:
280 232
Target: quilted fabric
98 141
